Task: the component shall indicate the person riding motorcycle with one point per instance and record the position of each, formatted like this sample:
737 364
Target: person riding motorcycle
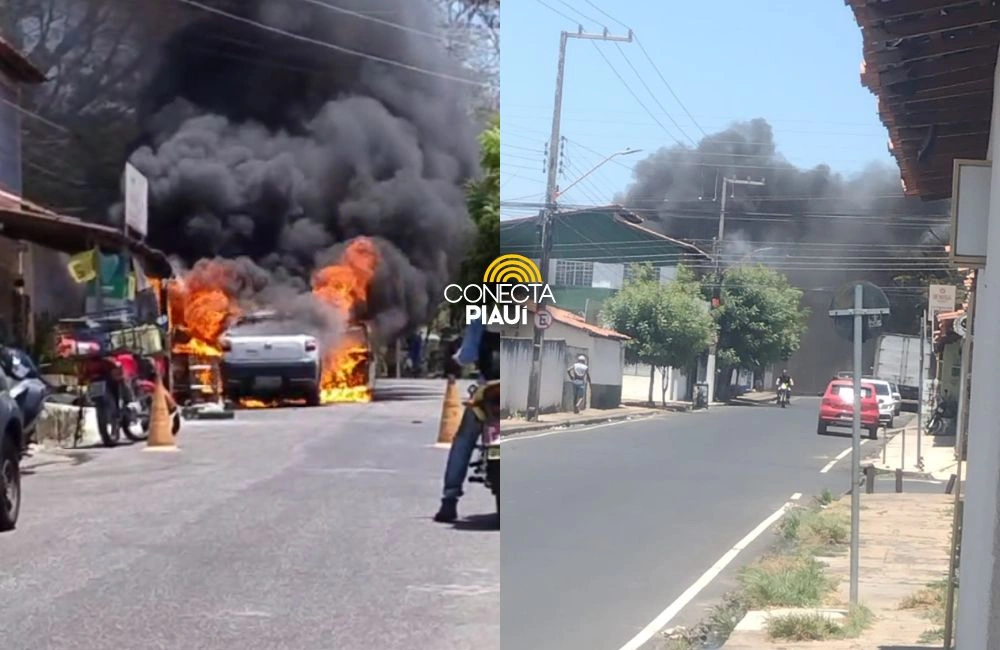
480 346
784 379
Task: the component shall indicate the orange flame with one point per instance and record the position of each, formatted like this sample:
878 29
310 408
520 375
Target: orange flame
345 286
201 309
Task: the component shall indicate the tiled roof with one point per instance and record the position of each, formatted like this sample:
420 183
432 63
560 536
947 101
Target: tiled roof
572 320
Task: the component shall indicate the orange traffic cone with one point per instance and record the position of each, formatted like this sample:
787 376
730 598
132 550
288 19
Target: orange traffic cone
451 413
161 437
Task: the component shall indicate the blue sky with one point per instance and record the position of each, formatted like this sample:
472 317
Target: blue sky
792 62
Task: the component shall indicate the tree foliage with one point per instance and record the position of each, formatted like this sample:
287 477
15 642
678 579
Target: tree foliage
669 324
484 207
760 318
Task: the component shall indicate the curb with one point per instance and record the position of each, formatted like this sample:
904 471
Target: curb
532 428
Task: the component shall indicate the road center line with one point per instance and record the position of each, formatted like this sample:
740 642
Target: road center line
706 578
839 457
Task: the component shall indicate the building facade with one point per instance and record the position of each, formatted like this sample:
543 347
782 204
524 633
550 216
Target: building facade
933 67
16 258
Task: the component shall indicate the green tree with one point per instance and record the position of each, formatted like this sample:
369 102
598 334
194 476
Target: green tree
669 325
760 320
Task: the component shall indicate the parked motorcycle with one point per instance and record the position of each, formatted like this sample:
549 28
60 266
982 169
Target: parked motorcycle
485 403
945 410
784 394
28 388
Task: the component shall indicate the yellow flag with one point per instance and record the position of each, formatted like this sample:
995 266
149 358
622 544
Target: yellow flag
83 266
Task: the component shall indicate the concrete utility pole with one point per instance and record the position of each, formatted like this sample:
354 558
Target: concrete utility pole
551 193
710 366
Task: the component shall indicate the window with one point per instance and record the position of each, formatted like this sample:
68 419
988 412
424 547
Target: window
570 273
10 139
846 393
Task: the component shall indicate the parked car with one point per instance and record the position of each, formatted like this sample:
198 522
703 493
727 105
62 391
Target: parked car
896 395
837 407
887 405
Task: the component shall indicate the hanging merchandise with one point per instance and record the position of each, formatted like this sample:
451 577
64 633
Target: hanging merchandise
82 267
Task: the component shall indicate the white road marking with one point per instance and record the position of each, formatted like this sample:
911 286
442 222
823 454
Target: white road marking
713 572
839 457
518 437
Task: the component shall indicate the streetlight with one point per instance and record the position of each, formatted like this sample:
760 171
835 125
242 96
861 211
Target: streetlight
624 152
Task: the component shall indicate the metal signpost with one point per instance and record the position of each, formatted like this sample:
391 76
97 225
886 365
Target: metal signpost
866 321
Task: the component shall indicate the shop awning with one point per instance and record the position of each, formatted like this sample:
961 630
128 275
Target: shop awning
22 220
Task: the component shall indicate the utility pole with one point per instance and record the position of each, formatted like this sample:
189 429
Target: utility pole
710 365
547 215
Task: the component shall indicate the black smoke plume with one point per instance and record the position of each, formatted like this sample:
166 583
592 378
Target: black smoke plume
679 188
820 228
281 150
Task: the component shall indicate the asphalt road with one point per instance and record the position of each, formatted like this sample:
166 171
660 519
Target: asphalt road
607 526
297 529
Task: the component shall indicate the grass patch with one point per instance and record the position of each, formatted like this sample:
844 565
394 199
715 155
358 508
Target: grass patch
816 530
932 636
815 626
825 498
932 602
784 581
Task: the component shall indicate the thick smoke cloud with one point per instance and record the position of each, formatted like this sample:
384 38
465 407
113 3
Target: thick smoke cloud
280 150
675 187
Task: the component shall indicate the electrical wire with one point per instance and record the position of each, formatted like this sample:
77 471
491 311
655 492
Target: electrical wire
633 93
553 9
331 46
380 21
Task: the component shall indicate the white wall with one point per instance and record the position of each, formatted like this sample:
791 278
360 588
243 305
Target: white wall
607 358
978 627
635 384
515 361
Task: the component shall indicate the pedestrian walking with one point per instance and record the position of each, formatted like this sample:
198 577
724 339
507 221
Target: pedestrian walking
579 374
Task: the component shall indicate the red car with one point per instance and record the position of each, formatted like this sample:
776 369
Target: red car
837 407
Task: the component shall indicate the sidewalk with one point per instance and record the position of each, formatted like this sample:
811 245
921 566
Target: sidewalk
938 455
905 542
589 416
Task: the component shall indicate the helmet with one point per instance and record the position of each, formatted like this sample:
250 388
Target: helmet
581 358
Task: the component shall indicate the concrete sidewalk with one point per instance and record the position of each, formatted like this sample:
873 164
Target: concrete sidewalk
568 419
938 452
905 542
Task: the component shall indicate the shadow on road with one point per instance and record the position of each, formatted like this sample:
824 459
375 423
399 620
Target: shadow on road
479 523
408 393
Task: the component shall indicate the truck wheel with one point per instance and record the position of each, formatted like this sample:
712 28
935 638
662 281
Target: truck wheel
10 483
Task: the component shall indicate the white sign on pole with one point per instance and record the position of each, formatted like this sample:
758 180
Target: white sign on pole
136 200
543 319
941 298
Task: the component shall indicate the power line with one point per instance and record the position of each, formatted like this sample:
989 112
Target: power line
331 46
380 21
653 95
580 13
632 92
551 8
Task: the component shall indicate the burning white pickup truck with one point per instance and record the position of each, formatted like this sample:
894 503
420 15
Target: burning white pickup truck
264 358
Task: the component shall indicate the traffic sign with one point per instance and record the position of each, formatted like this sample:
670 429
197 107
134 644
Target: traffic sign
543 319
875 306
136 200
940 298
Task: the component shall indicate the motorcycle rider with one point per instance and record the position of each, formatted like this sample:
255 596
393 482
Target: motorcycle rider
785 379
480 345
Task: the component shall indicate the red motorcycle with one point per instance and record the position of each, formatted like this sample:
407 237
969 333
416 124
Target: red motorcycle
120 384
